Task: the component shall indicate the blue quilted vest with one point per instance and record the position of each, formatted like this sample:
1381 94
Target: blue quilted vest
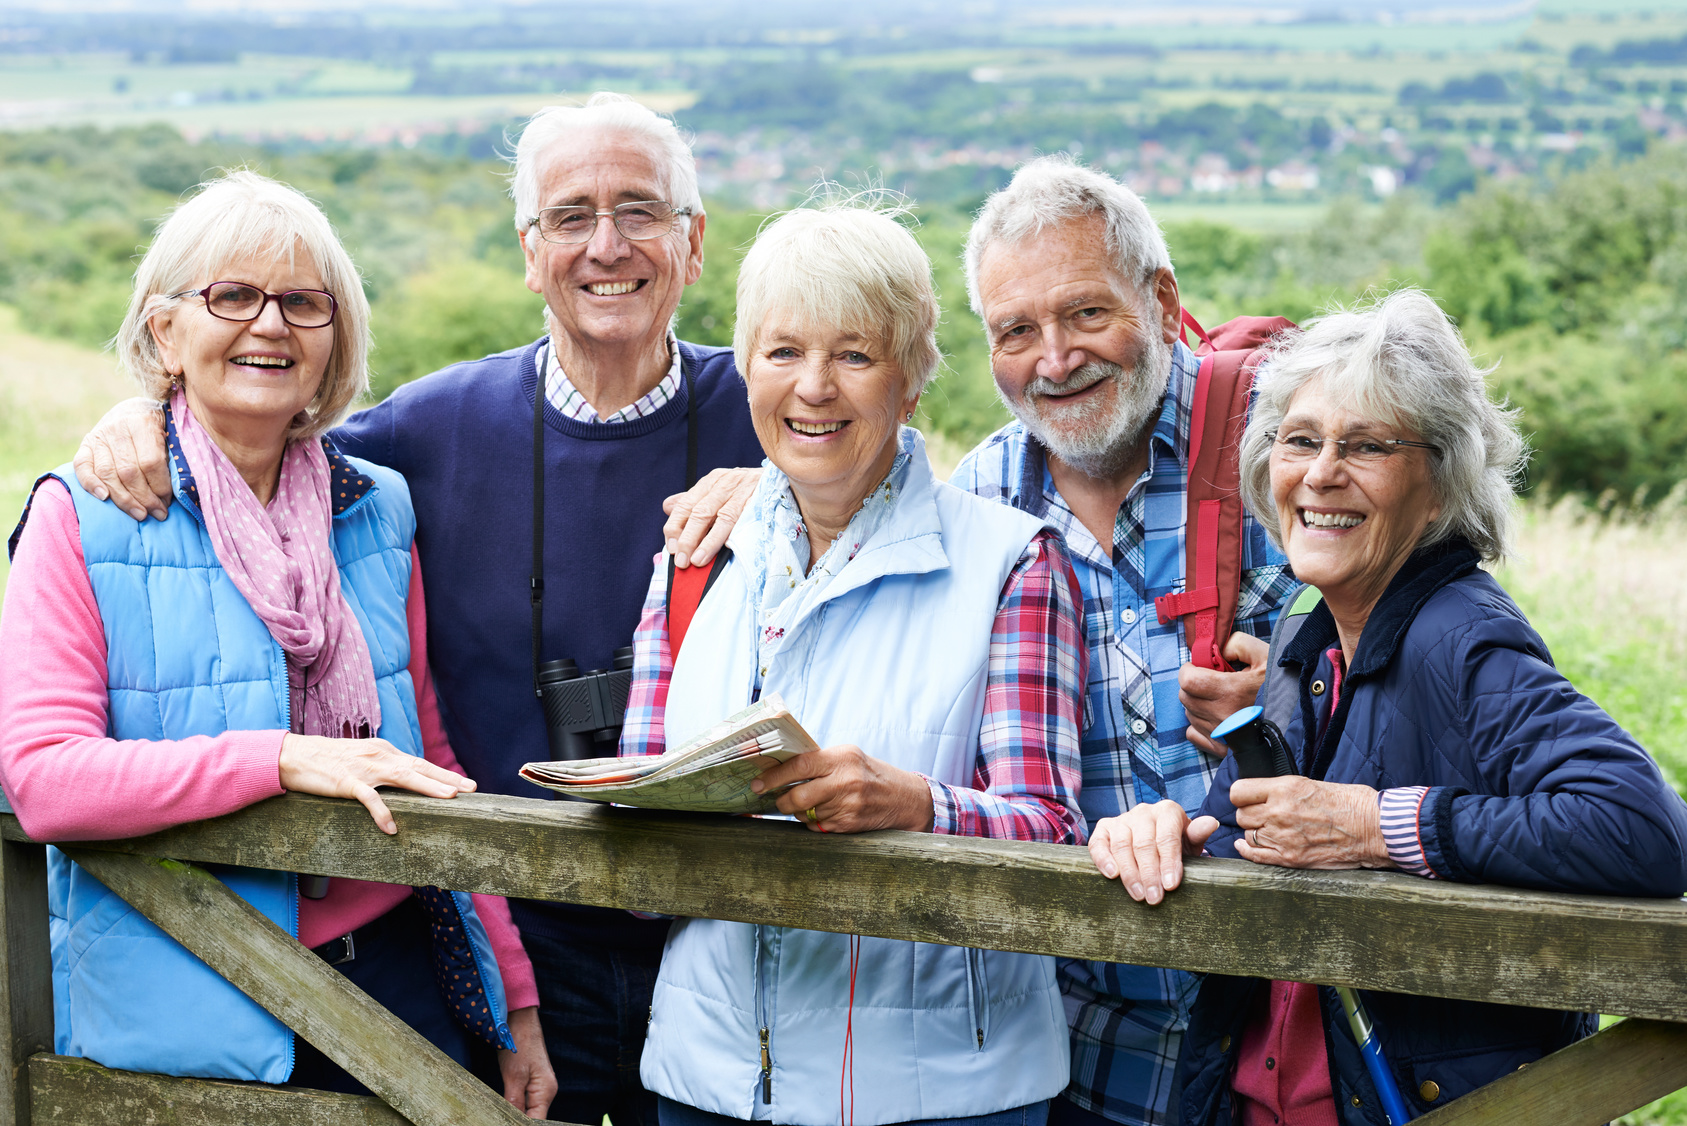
187 656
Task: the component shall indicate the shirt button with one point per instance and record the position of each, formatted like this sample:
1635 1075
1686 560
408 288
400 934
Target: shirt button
1128 616
1317 688
1139 727
1270 1063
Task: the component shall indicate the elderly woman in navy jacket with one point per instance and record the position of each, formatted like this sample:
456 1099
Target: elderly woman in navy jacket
1431 732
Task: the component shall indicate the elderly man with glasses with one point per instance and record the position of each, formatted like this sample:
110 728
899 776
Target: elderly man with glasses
615 413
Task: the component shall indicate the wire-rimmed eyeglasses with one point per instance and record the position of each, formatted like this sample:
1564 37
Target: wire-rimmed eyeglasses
1359 449
237 301
638 221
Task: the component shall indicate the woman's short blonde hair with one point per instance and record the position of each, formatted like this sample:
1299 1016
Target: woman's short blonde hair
1399 360
237 217
847 263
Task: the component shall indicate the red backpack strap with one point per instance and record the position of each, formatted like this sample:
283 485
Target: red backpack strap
1213 531
1189 322
686 588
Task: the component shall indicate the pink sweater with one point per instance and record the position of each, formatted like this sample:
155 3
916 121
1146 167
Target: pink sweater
68 781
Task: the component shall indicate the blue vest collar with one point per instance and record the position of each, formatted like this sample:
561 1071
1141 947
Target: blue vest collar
346 485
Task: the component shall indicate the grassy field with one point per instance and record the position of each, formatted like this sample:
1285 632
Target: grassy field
50 392
1606 591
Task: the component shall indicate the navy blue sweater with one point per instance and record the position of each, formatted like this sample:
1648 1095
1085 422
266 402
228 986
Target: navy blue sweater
463 438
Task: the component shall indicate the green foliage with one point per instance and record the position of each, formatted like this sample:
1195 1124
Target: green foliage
962 404
1578 255
460 310
1578 288
705 312
1603 413
1579 292
1223 272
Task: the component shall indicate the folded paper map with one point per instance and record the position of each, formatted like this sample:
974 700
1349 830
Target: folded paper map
710 774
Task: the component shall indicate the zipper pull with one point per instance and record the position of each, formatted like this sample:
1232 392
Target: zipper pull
766 1070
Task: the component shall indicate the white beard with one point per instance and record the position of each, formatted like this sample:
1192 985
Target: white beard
1095 438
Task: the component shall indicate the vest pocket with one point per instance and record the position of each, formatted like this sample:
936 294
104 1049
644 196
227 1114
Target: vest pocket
978 998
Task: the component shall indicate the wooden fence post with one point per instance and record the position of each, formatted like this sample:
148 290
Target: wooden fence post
232 937
26 985
1590 1082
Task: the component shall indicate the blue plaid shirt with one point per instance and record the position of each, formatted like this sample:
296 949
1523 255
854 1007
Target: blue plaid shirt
1127 1021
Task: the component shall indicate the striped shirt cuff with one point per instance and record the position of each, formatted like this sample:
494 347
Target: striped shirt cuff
1399 811
945 811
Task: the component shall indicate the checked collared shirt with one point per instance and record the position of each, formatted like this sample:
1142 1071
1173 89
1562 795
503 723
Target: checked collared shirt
1127 1021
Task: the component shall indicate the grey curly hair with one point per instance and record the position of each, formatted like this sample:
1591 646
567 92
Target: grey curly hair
1400 360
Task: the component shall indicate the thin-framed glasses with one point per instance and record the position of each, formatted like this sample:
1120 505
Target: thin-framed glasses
1358 449
638 221
237 301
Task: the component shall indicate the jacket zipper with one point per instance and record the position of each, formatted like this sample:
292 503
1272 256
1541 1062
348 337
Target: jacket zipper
764 1033
977 999
766 1069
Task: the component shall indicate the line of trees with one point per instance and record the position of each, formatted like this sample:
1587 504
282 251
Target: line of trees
1577 289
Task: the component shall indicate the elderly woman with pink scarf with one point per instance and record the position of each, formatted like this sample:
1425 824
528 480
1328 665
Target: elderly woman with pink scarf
267 636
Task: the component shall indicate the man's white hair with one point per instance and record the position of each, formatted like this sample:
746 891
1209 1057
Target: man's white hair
613 112
1057 189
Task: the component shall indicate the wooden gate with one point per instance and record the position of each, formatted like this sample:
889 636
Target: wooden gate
1625 957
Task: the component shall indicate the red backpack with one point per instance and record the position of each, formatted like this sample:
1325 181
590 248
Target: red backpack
1212 558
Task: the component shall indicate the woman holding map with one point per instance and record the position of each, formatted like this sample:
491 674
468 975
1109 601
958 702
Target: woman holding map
267 637
929 641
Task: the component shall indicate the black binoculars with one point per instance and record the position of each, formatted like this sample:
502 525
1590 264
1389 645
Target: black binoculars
584 711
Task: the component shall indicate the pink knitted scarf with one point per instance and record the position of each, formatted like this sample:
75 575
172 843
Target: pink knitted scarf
280 560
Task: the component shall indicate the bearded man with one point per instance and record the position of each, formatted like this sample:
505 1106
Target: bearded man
1072 279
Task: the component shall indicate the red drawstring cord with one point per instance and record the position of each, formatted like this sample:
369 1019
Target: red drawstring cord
846 1077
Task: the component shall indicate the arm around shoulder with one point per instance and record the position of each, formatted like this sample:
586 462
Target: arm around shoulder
123 458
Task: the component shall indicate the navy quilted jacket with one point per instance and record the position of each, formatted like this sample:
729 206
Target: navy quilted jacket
1532 785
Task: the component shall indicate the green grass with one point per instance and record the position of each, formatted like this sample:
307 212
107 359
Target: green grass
50 393
1609 596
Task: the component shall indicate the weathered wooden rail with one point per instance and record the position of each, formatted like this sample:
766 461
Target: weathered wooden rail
1624 957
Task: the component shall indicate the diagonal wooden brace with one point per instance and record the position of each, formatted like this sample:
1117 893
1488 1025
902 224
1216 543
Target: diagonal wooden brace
1591 1082
264 962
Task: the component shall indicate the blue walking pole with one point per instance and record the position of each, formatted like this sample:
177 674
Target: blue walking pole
1381 1077
1261 752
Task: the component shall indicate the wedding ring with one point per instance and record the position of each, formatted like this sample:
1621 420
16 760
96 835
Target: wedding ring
813 817
1253 838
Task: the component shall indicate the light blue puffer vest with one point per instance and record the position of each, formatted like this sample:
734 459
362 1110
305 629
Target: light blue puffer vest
187 656
894 660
